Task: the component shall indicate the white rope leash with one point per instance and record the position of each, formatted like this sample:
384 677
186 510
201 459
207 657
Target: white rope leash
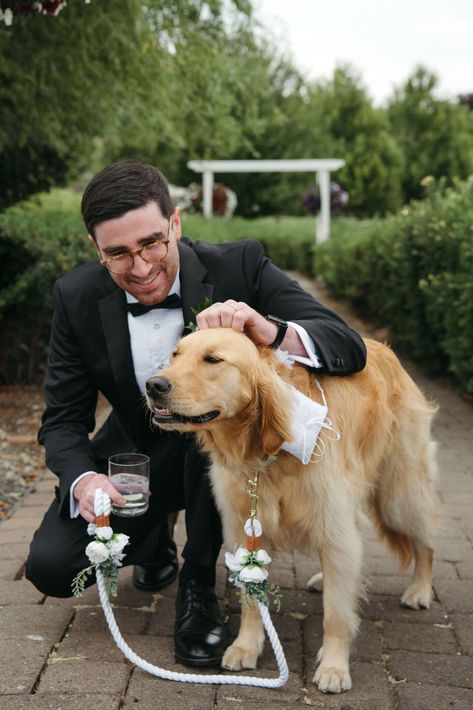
102 506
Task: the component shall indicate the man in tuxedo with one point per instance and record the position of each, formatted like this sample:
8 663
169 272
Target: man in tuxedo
115 323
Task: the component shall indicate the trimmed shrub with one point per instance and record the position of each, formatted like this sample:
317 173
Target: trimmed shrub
414 272
40 240
43 238
288 241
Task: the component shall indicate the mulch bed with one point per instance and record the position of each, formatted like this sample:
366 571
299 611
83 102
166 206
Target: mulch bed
22 462
21 459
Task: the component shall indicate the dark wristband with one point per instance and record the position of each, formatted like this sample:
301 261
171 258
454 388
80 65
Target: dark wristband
282 328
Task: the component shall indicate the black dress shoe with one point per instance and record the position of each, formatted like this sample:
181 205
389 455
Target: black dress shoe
200 636
153 576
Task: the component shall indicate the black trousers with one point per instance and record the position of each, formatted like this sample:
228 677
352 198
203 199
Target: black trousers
178 480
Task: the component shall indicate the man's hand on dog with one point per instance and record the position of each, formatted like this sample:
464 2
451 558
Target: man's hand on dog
84 493
241 317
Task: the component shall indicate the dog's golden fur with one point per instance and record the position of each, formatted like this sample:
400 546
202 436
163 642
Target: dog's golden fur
383 464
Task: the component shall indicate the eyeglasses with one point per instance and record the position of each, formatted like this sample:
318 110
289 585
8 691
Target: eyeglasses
152 253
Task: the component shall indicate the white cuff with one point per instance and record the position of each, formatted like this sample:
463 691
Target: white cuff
311 360
73 503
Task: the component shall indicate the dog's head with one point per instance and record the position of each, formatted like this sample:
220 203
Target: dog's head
217 378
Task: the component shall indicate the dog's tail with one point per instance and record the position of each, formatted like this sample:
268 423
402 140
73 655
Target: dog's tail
399 543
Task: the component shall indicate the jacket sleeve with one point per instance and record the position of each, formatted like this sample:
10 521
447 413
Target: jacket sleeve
340 349
71 399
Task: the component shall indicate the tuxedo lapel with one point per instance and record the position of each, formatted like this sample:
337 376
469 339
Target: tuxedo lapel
191 275
115 326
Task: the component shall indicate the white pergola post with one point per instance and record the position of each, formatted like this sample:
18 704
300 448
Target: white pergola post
321 167
207 190
322 228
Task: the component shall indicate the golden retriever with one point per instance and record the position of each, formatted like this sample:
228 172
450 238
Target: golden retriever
232 394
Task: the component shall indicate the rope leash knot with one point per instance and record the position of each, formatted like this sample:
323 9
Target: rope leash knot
102 507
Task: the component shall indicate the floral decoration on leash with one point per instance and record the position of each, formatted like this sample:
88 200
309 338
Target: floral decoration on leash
248 569
105 552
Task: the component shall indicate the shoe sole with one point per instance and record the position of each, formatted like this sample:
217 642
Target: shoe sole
154 587
199 663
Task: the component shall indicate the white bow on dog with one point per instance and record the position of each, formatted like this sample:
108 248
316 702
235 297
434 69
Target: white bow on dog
308 418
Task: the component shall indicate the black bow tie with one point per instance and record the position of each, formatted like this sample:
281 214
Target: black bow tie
138 309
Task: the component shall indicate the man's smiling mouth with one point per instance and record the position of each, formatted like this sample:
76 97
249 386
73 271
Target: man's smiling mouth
147 281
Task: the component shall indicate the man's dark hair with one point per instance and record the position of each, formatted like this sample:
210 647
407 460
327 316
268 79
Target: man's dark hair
122 187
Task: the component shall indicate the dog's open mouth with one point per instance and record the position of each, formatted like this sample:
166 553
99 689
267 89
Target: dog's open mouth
166 416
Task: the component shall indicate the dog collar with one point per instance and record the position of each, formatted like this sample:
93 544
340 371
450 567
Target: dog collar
268 459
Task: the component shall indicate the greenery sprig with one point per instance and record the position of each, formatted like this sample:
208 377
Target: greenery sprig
253 592
206 303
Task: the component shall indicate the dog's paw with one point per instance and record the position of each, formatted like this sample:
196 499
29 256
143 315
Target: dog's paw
315 583
417 596
331 679
237 657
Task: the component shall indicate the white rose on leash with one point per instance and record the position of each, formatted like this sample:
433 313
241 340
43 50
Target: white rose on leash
97 552
253 573
104 533
118 543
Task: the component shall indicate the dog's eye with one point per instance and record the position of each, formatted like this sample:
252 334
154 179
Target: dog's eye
211 359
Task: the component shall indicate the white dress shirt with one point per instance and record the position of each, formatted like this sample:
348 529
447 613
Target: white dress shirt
153 337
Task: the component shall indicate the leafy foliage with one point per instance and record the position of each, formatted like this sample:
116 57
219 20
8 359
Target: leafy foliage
44 238
39 241
80 580
435 135
361 135
198 79
176 72
325 119
414 271
288 241
255 592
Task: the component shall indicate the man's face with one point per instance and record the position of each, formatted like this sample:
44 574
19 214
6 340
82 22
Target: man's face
148 283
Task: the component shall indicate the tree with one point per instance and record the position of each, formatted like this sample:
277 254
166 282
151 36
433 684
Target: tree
325 119
360 134
61 86
220 84
436 135
106 79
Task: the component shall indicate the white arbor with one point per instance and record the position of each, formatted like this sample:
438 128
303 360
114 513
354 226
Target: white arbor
321 167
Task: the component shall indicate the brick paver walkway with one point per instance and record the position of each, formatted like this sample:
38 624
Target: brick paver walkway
58 653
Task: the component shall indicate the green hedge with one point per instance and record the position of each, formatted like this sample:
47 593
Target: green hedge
288 241
40 240
44 237
414 272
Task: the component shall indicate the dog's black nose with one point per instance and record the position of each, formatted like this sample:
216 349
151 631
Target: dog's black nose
157 386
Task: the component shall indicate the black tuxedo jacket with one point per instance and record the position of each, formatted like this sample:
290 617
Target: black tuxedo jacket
90 347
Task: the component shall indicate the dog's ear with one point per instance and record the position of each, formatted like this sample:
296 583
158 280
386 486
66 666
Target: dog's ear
274 427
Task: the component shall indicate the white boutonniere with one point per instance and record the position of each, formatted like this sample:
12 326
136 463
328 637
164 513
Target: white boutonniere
206 303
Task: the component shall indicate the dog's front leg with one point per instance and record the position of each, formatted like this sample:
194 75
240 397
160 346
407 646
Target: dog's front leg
244 651
341 565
